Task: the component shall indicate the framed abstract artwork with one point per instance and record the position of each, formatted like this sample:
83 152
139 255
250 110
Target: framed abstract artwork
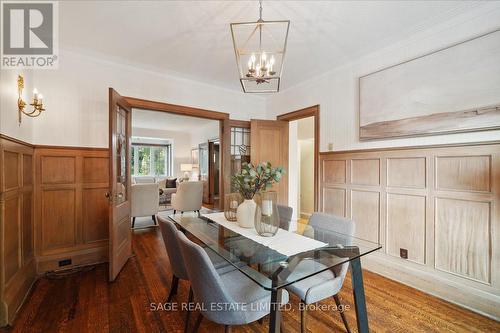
456 89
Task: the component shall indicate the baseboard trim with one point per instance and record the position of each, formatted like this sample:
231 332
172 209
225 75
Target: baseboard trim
476 300
17 291
85 257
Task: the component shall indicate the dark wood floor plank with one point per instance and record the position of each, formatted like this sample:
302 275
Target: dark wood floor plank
86 302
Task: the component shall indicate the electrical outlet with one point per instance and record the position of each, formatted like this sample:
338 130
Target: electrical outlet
403 253
64 262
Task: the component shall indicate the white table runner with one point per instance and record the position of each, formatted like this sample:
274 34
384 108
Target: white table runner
285 242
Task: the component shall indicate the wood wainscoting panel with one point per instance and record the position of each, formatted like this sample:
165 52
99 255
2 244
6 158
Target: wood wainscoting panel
12 232
58 169
463 173
12 169
365 212
463 238
27 170
334 171
440 203
95 214
17 272
406 172
365 171
27 226
58 220
334 201
406 226
95 169
72 210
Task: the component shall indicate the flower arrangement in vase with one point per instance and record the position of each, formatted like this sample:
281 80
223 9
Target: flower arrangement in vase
250 181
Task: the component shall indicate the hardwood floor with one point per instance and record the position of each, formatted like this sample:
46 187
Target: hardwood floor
86 302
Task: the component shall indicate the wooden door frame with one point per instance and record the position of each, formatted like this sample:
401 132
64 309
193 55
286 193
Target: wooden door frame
224 133
311 111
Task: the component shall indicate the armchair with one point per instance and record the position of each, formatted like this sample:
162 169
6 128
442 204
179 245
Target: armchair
145 200
188 197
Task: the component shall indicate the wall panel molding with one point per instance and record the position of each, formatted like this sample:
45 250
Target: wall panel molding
17 263
439 203
71 209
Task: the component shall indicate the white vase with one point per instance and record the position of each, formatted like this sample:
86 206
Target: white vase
245 213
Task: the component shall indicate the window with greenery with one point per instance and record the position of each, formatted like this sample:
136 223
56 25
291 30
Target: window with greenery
151 160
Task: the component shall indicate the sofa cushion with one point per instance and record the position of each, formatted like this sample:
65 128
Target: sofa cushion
171 183
144 179
162 182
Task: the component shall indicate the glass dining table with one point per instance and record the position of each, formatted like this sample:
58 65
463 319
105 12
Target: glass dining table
271 265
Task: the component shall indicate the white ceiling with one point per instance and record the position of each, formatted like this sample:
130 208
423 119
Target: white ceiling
168 121
192 38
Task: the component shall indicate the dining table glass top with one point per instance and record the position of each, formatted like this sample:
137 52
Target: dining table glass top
278 261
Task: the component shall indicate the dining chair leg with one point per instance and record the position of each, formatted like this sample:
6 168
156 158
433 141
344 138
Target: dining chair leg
344 319
227 329
303 310
188 314
133 222
173 288
154 219
198 322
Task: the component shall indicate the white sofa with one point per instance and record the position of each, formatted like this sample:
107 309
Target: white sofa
162 184
145 200
188 197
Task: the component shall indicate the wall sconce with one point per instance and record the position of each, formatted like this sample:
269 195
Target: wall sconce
21 104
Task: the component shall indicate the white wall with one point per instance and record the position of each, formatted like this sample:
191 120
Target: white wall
337 92
204 133
181 144
76 99
293 172
306 199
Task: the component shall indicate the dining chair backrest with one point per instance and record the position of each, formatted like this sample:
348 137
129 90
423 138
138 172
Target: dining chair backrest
285 214
332 229
206 283
169 235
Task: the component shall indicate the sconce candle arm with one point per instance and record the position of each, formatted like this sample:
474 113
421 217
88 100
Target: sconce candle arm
21 104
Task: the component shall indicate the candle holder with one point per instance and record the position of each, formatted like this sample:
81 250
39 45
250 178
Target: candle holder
267 220
231 203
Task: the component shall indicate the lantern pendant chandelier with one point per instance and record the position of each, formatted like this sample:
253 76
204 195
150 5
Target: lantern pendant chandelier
260 49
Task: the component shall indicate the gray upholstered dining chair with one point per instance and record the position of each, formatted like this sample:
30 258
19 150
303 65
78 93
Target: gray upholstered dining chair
285 214
325 228
169 235
242 299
